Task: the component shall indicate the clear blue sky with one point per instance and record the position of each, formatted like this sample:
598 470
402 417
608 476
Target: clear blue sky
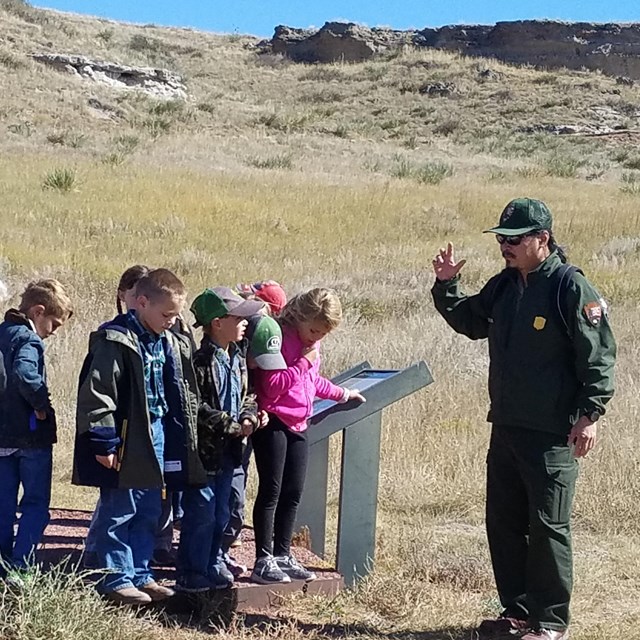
259 17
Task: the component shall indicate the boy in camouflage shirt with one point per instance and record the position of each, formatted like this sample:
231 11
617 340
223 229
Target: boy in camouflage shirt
226 415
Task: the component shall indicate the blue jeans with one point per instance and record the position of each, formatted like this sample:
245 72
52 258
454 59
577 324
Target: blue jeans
32 469
125 529
206 514
170 511
237 499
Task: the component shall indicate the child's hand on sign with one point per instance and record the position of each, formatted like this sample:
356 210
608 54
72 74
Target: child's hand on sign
353 394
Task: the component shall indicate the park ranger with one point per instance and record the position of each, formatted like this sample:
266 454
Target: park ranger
552 354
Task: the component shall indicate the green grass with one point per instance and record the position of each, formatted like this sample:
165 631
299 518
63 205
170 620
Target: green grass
63 180
59 604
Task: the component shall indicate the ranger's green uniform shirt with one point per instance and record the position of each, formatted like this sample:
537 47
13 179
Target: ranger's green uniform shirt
541 376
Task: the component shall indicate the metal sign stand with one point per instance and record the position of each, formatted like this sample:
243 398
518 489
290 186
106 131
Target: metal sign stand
361 427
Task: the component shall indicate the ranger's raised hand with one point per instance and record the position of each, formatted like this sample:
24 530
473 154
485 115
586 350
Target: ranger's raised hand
445 265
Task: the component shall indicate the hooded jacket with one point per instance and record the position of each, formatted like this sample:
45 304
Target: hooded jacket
289 393
25 388
113 417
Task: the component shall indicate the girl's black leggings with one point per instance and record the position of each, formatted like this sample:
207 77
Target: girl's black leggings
281 460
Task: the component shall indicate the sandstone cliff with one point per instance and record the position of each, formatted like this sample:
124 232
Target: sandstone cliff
612 48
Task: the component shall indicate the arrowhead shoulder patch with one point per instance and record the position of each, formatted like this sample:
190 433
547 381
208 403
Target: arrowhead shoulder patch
593 313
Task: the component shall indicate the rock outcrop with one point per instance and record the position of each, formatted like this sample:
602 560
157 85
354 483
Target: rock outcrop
157 82
336 41
611 48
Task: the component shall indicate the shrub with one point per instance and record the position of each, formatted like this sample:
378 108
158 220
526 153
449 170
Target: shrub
105 35
563 166
411 142
630 183
341 131
63 180
24 129
402 169
207 107
157 127
529 172
114 159
167 107
545 78
18 8
9 61
374 71
393 123
67 139
322 97
447 127
322 74
433 172
126 143
632 163
285 122
143 44
620 155
280 161
427 173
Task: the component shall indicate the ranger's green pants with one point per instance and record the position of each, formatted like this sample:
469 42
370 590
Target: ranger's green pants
531 478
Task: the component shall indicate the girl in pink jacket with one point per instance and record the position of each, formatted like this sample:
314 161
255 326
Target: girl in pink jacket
281 448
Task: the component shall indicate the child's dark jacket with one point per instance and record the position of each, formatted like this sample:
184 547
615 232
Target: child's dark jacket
217 429
113 417
25 389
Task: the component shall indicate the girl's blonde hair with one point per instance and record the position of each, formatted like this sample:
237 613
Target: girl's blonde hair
130 279
51 295
316 304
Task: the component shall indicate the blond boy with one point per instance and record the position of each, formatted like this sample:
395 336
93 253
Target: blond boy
27 419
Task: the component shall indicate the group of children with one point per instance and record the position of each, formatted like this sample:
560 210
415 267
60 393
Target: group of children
164 425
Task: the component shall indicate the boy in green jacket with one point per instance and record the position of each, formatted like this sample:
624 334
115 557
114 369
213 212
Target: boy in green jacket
136 432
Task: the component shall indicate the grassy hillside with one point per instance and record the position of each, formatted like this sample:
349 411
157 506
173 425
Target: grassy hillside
348 176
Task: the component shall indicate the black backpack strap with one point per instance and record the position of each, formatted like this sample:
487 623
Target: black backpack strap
564 276
494 287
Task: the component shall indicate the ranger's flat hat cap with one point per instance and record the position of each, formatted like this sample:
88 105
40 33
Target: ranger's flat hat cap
521 216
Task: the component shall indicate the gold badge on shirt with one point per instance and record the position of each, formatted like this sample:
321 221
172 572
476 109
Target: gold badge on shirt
539 323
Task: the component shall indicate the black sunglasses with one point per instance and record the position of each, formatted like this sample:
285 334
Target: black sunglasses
514 241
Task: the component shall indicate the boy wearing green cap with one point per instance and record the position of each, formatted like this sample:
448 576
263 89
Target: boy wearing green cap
226 415
552 356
